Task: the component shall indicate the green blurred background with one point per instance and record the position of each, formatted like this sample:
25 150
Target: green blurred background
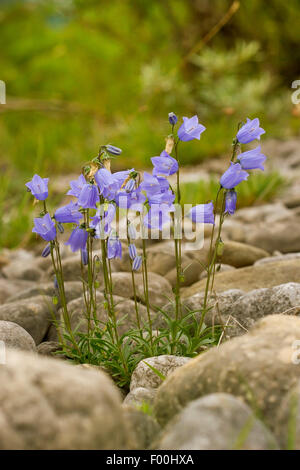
81 73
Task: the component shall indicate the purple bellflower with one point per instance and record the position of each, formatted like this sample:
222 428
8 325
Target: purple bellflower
38 187
130 185
230 202
137 262
102 225
190 129
84 256
46 251
233 176
202 213
113 150
45 227
131 231
76 186
150 184
68 213
88 196
77 240
253 159
132 251
164 164
250 131
107 184
114 247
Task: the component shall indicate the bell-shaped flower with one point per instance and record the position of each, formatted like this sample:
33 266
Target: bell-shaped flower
77 240
88 196
252 159
233 176
250 131
164 164
68 214
172 119
76 186
114 247
107 184
230 202
38 187
137 263
132 251
45 227
190 129
202 213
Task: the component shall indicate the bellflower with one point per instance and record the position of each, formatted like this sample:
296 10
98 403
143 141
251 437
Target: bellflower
173 119
190 129
132 251
166 197
45 227
113 150
230 202
68 213
88 196
77 240
150 184
114 247
38 187
158 216
253 159
137 262
131 232
250 131
129 186
202 213
107 184
76 186
46 251
164 164
121 176
102 224
233 176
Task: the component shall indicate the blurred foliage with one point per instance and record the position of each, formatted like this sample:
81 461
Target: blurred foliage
258 189
80 73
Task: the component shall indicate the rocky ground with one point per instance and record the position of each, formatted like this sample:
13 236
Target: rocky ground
242 393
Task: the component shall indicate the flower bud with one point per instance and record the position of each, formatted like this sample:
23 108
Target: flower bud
129 186
169 144
137 262
84 256
132 251
60 227
131 232
220 248
46 251
173 119
55 282
113 150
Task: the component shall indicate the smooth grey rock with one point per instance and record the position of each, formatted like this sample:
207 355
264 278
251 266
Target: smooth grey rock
14 336
49 404
144 376
143 427
257 367
48 348
9 288
287 427
140 395
22 270
216 422
33 314
73 290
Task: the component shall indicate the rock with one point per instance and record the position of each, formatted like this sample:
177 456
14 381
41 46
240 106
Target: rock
252 277
159 287
247 309
140 396
287 427
73 290
257 214
240 255
282 236
192 271
48 404
123 308
143 427
144 376
257 367
71 269
216 422
277 258
21 270
216 306
12 287
161 258
14 336
221 269
33 314
48 348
